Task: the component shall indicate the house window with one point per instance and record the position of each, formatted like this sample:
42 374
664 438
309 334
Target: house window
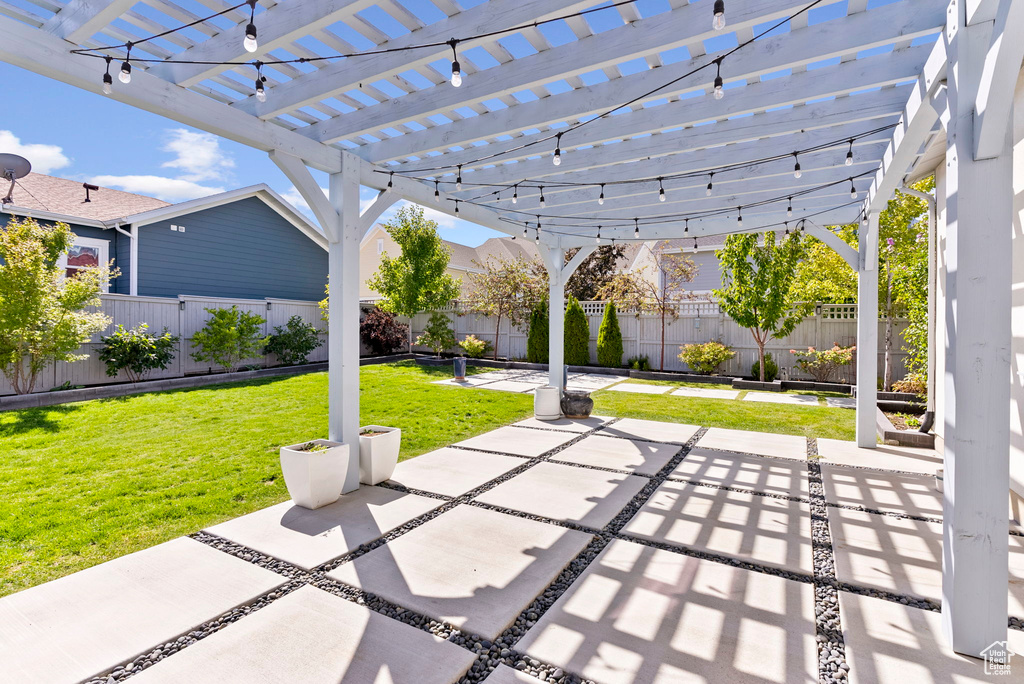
85 253
380 245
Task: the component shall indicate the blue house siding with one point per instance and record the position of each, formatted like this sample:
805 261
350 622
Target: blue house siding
243 249
117 249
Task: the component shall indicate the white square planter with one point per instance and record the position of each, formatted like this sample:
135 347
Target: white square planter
314 478
378 454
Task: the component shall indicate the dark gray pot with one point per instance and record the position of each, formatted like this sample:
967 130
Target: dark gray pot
460 367
576 404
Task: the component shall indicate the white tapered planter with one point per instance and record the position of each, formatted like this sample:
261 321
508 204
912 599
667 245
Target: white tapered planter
314 478
378 454
547 403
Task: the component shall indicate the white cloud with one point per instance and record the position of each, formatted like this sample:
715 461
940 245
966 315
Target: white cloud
294 198
167 189
44 158
199 157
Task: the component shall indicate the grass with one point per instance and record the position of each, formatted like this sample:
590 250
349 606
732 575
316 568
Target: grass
83 483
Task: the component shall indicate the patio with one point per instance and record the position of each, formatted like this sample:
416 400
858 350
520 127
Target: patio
614 551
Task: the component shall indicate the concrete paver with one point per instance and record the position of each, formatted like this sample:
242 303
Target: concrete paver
518 441
86 623
567 424
313 637
503 674
651 430
882 457
780 398
511 386
912 494
638 388
645 458
308 538
452 472
474 568
769 475
760 443
760 529
639 614
705 393
568 493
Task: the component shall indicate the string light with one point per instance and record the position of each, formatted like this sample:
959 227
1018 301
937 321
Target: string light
456 207
557 159
694 245
789 208
739 217
711 183
636 228
515 194
686 228
437 190
542 202
796 168
718 22
537 236
853 190
261 93
787 228
458 179
719 91
849 155
126 67
391 180
108 82
864 220
598 240
600 200
456 68
661 189
249 43
526 226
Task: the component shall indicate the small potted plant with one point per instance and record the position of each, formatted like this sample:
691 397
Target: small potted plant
314 472
378 452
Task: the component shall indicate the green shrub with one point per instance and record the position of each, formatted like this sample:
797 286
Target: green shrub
294 342
609 338
474 347
705 358
577 335
438 334
537 338
137 352
228 337
639 363
771 370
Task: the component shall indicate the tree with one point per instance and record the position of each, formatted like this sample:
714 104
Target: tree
824 276
577 335
656 288
229 336
609 338
417 279
438 334
505 289
757 290
381 332
43 316
594 273
537 339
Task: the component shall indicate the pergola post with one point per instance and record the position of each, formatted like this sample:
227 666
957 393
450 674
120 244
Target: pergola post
554 258
979 229
867 335
343 325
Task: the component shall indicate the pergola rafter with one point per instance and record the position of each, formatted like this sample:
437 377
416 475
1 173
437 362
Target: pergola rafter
894 78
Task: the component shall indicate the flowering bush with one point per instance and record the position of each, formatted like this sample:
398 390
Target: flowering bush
705 358
474 347
914 383
822 365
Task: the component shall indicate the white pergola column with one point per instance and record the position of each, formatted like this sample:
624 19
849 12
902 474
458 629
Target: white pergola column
979 227
867 335
555 257
343 325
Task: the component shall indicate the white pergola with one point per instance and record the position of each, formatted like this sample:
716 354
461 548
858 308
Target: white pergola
874 80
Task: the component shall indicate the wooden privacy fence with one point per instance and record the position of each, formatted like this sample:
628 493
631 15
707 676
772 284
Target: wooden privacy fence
697 322
183 317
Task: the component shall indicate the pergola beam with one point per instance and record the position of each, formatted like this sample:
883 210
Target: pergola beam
994 102
79 20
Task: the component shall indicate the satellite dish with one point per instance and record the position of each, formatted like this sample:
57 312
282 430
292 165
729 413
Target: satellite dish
13 167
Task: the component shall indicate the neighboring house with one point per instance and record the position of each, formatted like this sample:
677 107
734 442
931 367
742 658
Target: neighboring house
464 260
709 273
245 244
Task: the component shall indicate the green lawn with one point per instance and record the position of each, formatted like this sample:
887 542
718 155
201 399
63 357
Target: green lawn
86 482
83 483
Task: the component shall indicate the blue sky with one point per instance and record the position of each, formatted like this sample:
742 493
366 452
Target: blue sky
75 134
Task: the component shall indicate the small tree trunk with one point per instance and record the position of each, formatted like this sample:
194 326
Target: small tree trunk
887 377
497 337
661 366
760 354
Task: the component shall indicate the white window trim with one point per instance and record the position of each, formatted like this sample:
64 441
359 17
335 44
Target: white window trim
102 245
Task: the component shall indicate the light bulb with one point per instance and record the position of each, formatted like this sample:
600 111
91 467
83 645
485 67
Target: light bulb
108 86
525 234
456 74
789 209
718 23
719 93
796 171
261 94
661 195
739 221
456 207
707 193
598 238
249 43
853 192
458 181
636 232
126 73
600 200
694 245
515 197
849 158
557 159
542 202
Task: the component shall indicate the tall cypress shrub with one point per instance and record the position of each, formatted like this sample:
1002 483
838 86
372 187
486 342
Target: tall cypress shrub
577 335
537 338
609 338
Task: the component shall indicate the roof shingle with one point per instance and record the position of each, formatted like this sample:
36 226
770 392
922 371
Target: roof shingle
40 192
